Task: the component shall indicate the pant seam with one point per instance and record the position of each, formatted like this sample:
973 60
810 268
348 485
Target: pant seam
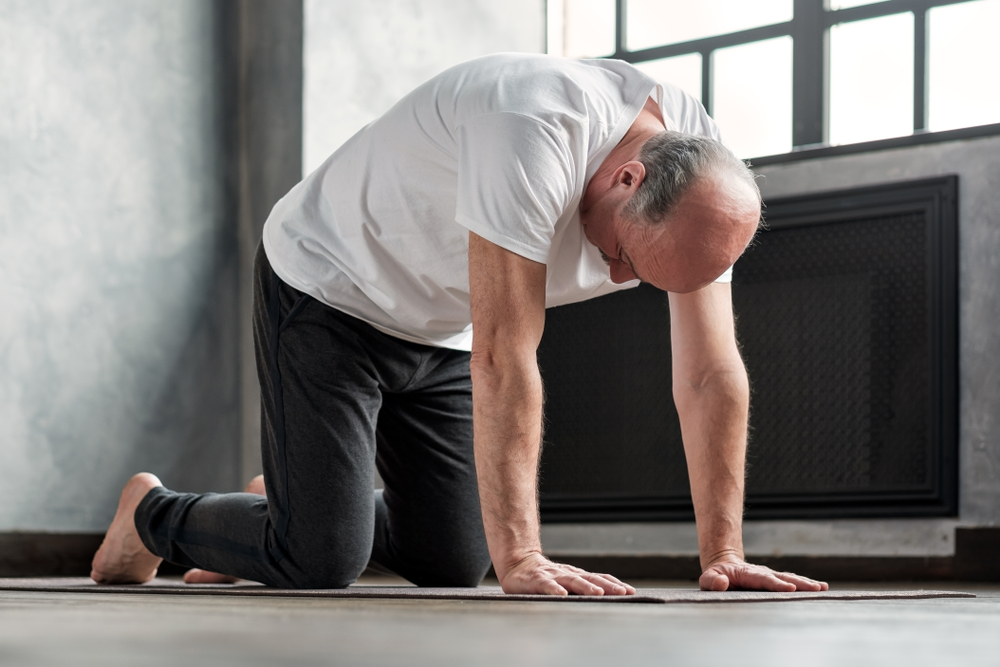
297 307
274 317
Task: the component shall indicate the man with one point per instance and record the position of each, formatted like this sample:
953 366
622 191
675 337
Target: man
498 188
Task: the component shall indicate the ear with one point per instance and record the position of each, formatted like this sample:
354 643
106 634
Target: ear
630 174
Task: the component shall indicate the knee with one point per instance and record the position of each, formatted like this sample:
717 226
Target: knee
319 565
337 572
460 569
465 578
338 578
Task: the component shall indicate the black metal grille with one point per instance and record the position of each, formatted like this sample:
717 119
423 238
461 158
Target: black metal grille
846 313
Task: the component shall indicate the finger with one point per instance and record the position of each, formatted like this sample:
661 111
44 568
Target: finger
618 582
803 583
578 585
549 587
609 584
713 580
766 580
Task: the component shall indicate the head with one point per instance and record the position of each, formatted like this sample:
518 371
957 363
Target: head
677 216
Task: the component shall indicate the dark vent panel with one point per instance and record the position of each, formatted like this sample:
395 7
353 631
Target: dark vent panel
846 311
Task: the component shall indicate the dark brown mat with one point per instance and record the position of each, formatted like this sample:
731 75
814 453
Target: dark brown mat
643 595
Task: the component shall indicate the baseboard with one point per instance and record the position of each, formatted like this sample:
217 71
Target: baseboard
825 568
977 554
24 554
47 554
977 558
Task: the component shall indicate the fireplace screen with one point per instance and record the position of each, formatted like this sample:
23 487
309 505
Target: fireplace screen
846 313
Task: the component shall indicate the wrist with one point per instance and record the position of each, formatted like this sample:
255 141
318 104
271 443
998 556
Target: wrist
722 555
510 562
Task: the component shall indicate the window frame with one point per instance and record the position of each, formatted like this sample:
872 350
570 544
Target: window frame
809 30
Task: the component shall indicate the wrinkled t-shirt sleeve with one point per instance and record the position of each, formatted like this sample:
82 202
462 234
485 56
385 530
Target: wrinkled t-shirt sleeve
515 179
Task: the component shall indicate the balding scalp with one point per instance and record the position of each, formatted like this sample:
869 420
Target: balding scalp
673 162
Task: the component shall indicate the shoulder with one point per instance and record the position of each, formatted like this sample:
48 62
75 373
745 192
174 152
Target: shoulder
529 83
686 112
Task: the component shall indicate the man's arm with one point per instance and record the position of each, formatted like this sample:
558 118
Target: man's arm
712 395
508 315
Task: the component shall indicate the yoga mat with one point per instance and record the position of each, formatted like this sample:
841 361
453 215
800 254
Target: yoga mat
643 595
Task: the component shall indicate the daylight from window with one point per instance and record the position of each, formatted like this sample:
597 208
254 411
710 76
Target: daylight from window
963 68
657 22
870 64
589 27
844 4
871 79
682 71
753 96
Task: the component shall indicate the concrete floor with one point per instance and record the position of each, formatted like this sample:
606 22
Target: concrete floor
138 630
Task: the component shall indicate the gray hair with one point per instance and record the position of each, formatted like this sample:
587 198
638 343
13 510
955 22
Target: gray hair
673 162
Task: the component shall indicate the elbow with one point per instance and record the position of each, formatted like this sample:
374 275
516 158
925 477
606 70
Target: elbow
494 367
723 384
485 369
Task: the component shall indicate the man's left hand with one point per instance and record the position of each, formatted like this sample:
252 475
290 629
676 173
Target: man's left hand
737 574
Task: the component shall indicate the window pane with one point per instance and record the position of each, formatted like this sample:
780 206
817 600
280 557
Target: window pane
588 28
844 4
871 79
682 71
657 22
963 65
752 89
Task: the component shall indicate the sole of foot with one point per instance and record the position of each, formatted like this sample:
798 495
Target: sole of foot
197 576
123 558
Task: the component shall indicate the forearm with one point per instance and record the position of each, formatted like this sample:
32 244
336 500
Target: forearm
713 414
507 422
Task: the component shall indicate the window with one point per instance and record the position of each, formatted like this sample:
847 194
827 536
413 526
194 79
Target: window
784 74
871 79
752 96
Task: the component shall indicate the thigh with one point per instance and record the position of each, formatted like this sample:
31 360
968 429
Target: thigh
432 532
320 399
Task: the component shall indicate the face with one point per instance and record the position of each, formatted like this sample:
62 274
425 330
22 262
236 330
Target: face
706 233
605 227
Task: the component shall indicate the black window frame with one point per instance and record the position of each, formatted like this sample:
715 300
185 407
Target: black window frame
809 30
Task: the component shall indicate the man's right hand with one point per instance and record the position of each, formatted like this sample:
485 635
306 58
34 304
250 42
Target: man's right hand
507 294
537 575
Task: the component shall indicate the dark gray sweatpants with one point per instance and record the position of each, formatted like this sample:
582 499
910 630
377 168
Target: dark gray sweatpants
338 398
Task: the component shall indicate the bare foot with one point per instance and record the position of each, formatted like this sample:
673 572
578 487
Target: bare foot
197 576
256 485
123 558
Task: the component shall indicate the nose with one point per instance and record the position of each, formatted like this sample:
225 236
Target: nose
620 272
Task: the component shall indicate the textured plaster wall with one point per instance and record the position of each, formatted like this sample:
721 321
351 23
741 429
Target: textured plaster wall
360 58
977 162
117 267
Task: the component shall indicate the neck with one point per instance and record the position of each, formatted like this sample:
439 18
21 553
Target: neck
648 123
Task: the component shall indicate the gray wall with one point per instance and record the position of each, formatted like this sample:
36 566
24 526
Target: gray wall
141 146
362 57
118 333
977 162
262 40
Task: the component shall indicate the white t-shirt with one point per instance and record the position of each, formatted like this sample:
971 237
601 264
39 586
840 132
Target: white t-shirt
503 146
